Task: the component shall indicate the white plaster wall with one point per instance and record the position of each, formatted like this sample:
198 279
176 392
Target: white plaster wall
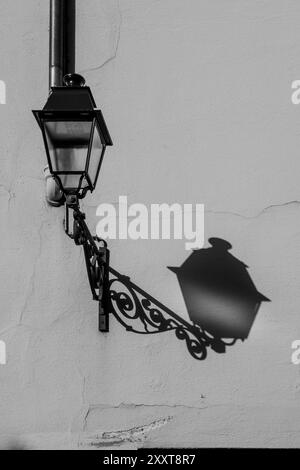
196 94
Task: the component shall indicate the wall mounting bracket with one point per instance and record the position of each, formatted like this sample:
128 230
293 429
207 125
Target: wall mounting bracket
96 256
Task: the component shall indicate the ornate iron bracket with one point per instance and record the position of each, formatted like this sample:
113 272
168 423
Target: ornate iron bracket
96 256
134 308
141 313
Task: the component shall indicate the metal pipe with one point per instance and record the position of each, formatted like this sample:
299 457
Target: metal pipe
61 63
56 43
61 40
69 44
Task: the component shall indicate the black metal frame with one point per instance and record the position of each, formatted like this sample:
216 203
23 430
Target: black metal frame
96 256
97 120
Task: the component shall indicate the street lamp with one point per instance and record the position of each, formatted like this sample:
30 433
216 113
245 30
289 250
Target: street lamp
75 138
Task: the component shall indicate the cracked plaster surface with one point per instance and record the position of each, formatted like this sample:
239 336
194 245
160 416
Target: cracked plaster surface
66 386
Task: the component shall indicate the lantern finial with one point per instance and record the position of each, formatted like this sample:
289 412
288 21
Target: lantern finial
74 80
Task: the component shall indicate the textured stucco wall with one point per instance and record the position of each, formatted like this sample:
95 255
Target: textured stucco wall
196 95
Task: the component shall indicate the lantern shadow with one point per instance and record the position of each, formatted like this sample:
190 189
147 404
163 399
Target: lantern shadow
220 296
219 293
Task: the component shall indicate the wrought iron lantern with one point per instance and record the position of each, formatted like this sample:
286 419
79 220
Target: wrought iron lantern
75 136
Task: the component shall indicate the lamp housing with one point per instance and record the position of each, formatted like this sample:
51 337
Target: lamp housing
75 136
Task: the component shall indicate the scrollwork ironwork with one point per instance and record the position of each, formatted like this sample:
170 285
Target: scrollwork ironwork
141 313
134 308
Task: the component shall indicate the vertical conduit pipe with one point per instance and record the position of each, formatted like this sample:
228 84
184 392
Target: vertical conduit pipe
61 40
61 62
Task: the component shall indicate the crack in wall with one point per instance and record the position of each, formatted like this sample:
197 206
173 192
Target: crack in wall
33 275
115 48
10 194
261 212
228 212
122 405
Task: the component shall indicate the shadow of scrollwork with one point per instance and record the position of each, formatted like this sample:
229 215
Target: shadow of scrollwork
141 313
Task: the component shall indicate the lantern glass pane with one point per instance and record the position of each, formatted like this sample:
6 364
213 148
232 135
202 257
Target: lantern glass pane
68 143
95 155
71 182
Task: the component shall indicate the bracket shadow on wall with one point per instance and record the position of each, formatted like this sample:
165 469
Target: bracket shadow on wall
220 296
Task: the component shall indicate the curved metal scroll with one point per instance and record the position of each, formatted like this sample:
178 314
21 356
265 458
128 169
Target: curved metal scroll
141 313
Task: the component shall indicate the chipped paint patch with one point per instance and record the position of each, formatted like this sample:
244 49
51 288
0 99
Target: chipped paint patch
132 435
